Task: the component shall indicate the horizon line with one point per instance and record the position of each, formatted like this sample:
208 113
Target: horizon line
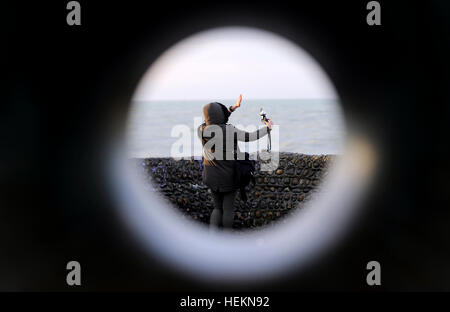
230 99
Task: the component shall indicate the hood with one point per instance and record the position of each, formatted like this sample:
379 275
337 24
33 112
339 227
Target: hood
215 113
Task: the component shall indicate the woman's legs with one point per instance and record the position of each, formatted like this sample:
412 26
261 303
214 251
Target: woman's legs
223 212
216 216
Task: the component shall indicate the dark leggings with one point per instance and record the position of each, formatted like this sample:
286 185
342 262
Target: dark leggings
223 212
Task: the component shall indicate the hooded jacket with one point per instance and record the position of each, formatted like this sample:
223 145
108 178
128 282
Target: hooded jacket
220 148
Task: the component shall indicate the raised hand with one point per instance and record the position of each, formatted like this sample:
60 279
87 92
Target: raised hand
238 103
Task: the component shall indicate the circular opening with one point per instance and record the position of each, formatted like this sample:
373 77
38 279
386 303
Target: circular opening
309 133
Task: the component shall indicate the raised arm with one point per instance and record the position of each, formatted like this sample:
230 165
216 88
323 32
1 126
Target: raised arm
236 105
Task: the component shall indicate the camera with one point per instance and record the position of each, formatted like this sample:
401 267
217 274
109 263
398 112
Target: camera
263 114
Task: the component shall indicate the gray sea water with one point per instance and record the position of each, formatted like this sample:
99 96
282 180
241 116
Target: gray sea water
304 126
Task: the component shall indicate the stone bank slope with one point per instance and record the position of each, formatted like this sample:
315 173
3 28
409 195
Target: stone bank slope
274 196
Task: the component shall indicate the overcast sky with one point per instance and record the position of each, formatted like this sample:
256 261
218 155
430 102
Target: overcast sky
225 62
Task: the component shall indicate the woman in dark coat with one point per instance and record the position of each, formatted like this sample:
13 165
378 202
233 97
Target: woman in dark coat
220 149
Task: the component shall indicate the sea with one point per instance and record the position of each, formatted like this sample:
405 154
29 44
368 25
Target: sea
166 128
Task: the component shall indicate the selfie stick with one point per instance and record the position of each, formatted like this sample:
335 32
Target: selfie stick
262 114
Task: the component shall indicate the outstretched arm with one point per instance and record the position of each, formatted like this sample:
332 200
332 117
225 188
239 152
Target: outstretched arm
245 136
